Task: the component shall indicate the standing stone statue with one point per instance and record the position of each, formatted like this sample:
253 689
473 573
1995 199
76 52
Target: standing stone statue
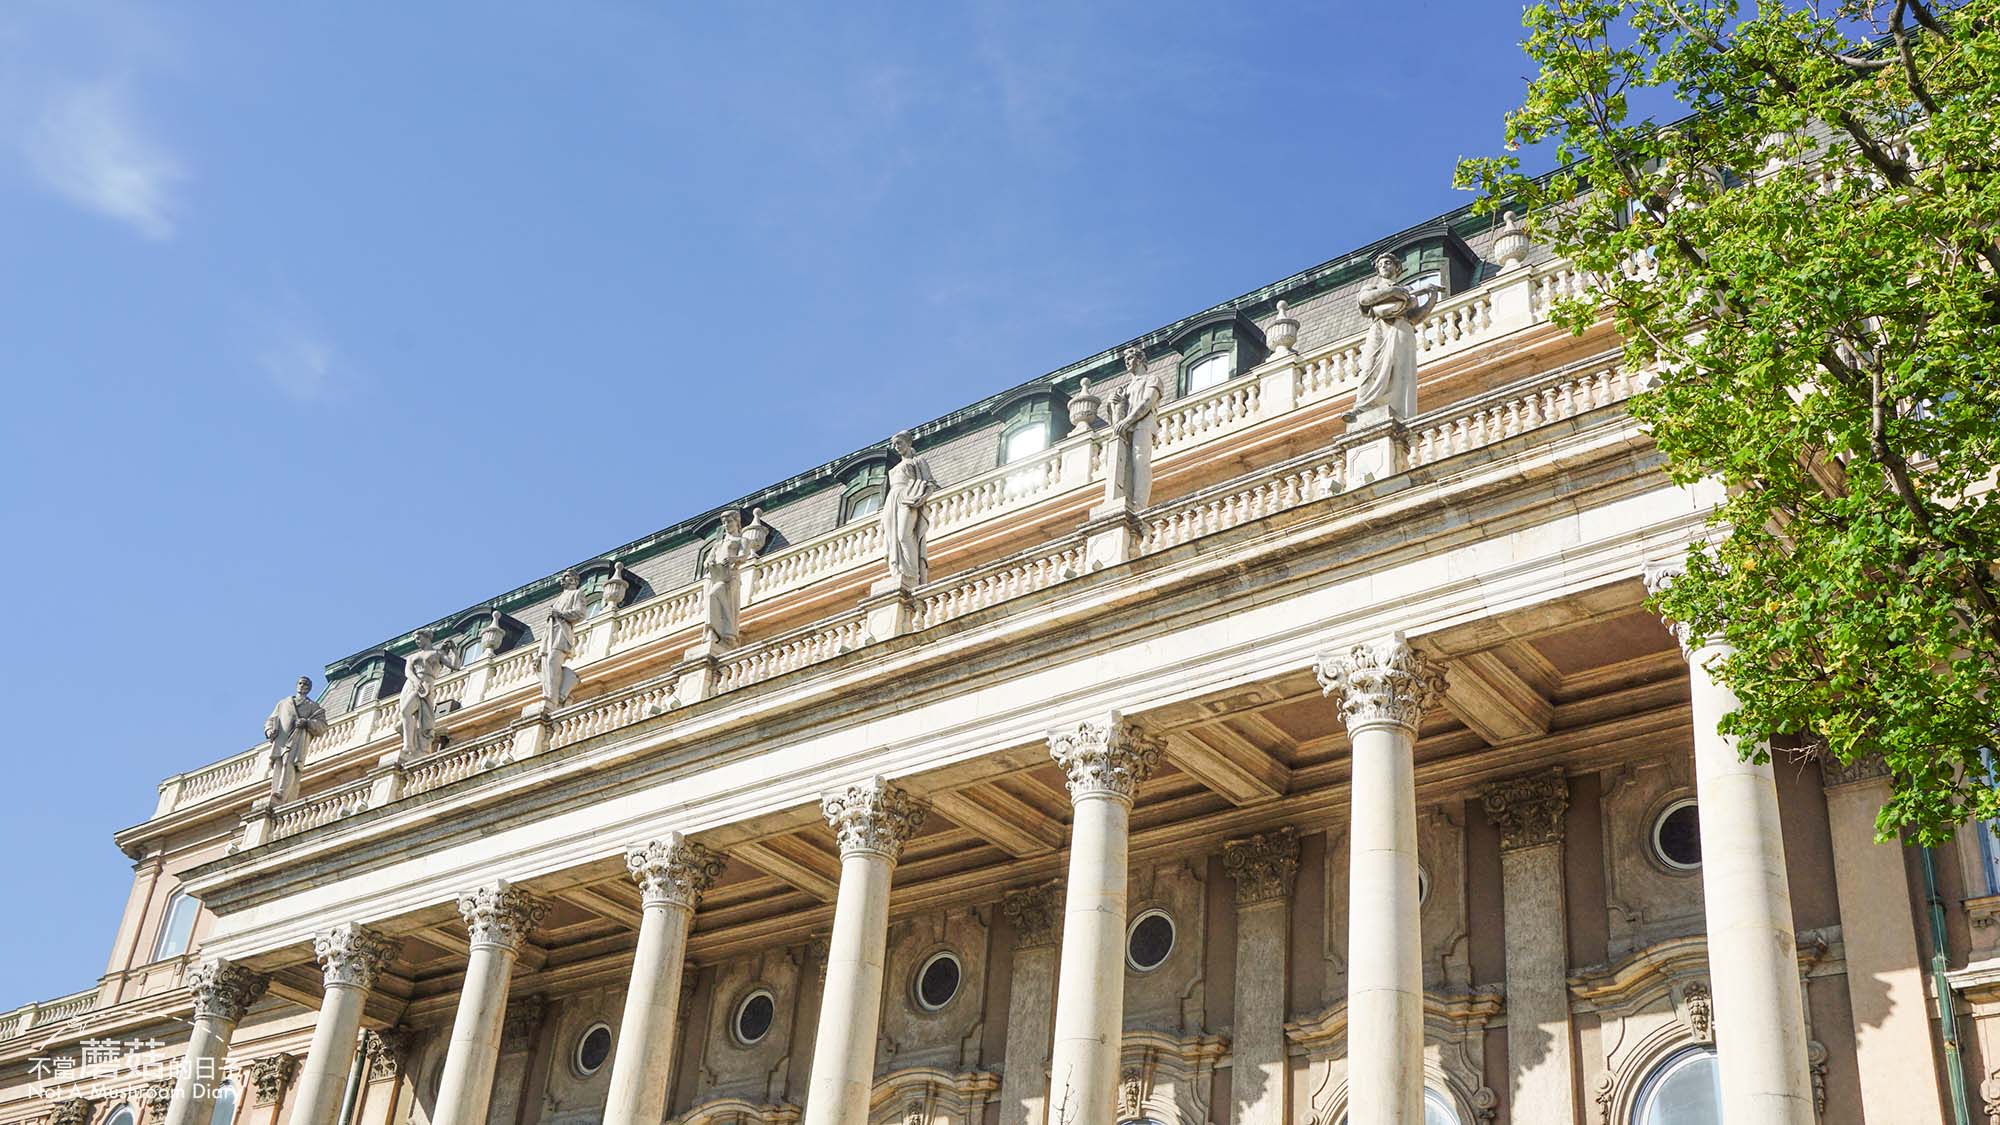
905 522
295 717
417 706
1389 353
1135 415
722 582
559 641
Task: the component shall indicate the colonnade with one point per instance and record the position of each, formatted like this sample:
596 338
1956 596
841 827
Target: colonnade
1382 690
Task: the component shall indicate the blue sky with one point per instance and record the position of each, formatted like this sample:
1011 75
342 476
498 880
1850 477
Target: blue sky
318 321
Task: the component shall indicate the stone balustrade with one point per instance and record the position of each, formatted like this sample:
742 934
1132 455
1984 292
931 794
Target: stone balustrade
323 808
1000 581
26 1018
456 763
1295 482
793 650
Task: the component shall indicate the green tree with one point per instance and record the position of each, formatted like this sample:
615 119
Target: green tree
1808 262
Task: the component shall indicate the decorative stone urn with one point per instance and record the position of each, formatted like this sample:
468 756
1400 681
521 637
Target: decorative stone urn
1511 248
616 587
1083 408
493 634
1283 332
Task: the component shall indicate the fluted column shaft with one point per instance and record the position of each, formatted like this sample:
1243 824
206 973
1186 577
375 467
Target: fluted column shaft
223 991
498 918
1106 762
350 958
1383 689
872 820
672 874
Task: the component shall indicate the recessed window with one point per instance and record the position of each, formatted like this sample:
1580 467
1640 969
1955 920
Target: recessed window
1438 1110
1026 432
863 490
1210 371
593 1049
1149 941
1423 885
1684 1090
177 927
754 1017
123 1115
1677 835
937 981
470 649
367 684
225 1105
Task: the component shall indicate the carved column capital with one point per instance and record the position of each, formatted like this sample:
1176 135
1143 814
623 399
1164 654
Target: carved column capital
1036 913
1110 758
1834 774
673 871
74 1111
385 1050
1527 810
522 1020
224 990
500 914
353 955
1264 866
271 1075
158 1096
873 817
1384 682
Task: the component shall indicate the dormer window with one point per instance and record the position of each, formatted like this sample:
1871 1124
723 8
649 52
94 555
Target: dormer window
1026 431
1216 349
1209 371
863 491
367 684
1437 259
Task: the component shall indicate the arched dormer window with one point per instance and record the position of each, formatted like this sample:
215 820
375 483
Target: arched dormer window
367 684
1028 430
1216 349
176 926
862 490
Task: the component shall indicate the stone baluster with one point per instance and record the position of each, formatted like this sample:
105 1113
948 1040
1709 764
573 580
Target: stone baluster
498 918
350 957
672 873
1036 914
1760 1032
223 991
1384 688
1529 812
1106 763
1264 867
872 821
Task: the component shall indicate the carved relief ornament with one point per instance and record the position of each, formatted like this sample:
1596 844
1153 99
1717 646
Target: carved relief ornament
1265 866
1036 914
1383 682
272 1075
673 871
1111 758
873 817
353 955
1529 810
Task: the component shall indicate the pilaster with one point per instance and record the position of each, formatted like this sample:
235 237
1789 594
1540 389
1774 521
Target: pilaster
1529 811
1264 868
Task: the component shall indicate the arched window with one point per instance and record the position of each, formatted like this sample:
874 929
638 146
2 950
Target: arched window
176 927
1210 370
470 648
863 491
1438 1110
593 594
367 682
225 1104
1026 432
123 1115
1684 1090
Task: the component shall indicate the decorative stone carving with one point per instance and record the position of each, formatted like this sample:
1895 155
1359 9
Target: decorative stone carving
74 1111
617 586
673 871
756 534
416 708
1111 758
386 1051
353 955
1385 681
1833 773
1388 390
1989 1096
224 990
1264 866
294 718
1511 248
1131 1093
722 583
1083 408
1699 1008
501 914
1529 810
492 634
1135 415
905 517
1485 1104
1657 577
271 1076
158 1096
1282 333
1816 1057
1036 914
873 817
558 641
518 1026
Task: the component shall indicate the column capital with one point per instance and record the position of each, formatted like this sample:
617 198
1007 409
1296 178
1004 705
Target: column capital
224 989
385 1050
873 817
272 1075
1383 682
500 914
673 870
1833 773
1036 913
353 955
1264 866
1528 810
1109 758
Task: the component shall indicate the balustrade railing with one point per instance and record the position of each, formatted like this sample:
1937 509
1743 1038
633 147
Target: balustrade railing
337 804
457 763
788 651
1219 509
622 708
999 582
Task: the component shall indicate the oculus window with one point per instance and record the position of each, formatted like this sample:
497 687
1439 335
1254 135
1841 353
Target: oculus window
1149 941
938 980
754 1017
593 1050
1677 835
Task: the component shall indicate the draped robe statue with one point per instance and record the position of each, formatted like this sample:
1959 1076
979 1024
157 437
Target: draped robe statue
1135 415
417 707
1388 389
559 642
905 522
722 582
292 720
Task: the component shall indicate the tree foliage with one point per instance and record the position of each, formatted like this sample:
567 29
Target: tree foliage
1808 262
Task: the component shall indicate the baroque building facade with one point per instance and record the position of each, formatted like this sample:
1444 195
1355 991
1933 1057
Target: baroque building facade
1257 723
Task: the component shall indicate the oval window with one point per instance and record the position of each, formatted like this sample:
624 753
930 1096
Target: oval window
1149 941
1677 835
937 981
1685 1090
593 1048
754 1017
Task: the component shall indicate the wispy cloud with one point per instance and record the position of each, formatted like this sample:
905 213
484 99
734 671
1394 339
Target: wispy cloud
300 363
89 146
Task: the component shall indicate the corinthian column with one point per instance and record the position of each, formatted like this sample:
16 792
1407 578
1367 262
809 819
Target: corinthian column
1760 1032
223 991
671 873
1383 689
1264 867
1036 913
872 821
350 957
1529 812
498 918
1106 762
